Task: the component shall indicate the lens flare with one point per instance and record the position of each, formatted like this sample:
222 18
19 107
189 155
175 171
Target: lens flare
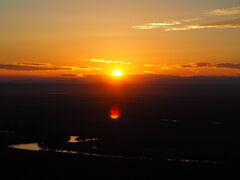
115 113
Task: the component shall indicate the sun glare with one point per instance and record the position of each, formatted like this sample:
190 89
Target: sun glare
117 73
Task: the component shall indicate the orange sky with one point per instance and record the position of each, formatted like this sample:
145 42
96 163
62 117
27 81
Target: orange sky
76 38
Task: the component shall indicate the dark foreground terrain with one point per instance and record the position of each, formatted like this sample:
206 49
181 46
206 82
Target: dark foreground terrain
186 129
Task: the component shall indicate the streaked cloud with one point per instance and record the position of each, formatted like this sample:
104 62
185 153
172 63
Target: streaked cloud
148 72
156 25
164 67
34 66
149 65
233 23
19 67
86 68
194 67
164 25
159 66
185 24
211 65
33 63
72 75
107 61
191 19
184 28
229 65
228 23
224 12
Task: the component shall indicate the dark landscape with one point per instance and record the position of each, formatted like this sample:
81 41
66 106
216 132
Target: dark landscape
175 128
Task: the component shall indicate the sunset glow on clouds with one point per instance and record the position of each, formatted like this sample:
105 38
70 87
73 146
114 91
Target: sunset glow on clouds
233 23
224 12
107 61
190 69
79 38
184 24
156 25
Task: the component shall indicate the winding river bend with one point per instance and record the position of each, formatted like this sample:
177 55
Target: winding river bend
75 139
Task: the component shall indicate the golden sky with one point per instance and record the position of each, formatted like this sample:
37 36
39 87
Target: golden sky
82 37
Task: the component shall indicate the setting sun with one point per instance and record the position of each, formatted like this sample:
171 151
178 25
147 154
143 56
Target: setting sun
117 73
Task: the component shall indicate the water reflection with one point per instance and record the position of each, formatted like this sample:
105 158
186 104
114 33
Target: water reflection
73 139
30 146
191 161
39 147
77 139
93 148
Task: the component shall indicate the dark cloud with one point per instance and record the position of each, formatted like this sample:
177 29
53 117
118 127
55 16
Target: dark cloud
19 67
203 64
210 65
227 23
33 64
229 65
224 12
187 66
71 75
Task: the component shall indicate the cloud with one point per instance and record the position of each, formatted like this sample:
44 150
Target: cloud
156 25
191 19
33 64
149 65
86 68
233 23
148 72
223 12
72 75
159 66
107 61
164 67
210 65
229 65
228 23
164 25
203 64
185 24
197 66
19 67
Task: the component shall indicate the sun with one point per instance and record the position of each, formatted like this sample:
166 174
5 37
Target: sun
117 73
